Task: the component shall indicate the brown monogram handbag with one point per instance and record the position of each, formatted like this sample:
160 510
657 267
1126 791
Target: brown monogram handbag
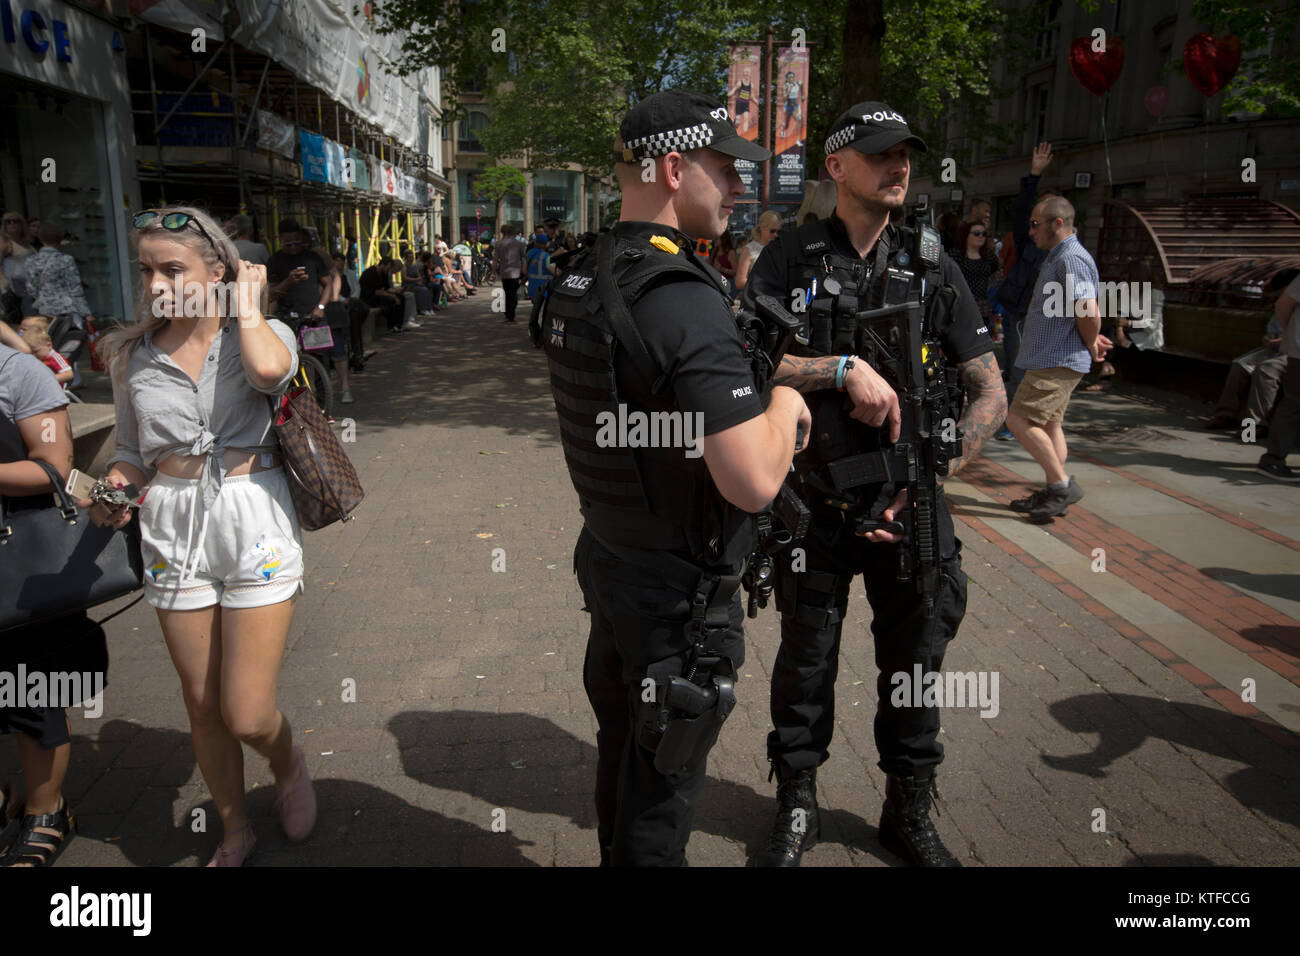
322 482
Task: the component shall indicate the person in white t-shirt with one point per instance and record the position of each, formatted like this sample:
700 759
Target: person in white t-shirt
1286 417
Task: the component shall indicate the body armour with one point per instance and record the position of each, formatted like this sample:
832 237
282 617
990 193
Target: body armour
584 322
816 268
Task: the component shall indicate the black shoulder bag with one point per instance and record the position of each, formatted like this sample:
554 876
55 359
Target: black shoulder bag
55 561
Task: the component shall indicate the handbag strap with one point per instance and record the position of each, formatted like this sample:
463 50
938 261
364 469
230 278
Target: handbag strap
67 507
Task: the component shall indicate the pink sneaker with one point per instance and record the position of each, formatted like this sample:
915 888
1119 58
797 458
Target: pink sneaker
239 854
296 804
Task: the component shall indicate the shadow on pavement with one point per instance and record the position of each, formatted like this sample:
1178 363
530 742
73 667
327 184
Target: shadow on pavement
1124 722
125 783
548 770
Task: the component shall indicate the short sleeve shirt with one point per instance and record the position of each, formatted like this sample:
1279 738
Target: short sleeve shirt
26 388
305 296
693 339
1050 338
162 411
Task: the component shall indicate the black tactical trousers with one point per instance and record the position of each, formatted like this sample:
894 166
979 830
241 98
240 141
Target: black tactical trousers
813 603
639 627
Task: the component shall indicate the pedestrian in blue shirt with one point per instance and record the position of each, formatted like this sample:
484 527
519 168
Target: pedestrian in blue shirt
1061 338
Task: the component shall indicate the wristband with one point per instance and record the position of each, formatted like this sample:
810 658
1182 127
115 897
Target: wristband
846 366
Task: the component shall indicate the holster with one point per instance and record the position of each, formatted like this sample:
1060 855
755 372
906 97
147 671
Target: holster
688 711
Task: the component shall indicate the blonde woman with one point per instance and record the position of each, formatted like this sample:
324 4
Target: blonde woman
222 545
769 224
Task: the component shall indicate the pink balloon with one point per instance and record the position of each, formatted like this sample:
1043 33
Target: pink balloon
1157 100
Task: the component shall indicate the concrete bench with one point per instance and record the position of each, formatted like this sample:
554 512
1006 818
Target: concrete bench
94 435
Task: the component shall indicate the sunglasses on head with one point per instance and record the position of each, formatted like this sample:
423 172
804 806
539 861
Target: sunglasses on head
172 222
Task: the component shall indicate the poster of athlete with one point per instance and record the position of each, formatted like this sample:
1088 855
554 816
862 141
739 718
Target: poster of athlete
790 124
744 86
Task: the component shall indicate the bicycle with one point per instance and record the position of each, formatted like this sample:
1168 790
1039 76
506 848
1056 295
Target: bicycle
316 371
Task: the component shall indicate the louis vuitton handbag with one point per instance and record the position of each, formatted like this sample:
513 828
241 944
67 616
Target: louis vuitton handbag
322 482
55 561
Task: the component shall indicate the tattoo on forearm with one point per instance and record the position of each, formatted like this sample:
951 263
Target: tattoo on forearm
986 408
805 374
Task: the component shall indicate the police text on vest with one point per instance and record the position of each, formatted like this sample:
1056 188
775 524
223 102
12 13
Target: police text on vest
651 430
75 909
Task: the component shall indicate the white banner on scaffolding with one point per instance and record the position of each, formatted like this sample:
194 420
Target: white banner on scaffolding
329 47
275 134
391 181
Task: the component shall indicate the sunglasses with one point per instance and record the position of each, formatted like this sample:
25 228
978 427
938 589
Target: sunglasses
172 222
977 233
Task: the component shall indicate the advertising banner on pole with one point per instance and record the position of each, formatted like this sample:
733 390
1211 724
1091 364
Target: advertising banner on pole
744 83
790 124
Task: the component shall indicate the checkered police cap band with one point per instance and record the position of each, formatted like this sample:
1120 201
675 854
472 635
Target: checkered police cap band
672 141
840 139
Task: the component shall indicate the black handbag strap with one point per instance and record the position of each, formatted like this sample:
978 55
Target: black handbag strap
67 507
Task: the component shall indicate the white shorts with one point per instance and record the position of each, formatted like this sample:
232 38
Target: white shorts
247 553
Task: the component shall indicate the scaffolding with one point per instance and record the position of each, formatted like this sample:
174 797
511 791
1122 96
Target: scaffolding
208 126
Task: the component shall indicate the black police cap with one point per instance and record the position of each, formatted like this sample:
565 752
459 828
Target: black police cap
678 121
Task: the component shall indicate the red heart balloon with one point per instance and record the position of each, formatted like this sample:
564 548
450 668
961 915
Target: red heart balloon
1096 72
1211 62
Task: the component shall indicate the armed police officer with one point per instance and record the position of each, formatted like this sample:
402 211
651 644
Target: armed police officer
838 269
646 360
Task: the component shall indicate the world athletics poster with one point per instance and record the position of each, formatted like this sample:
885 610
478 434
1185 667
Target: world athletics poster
790 124
744 88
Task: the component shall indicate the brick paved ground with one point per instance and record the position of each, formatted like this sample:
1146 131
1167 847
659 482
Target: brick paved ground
470 706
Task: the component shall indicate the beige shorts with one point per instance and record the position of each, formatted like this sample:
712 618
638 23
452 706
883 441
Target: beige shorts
245 552
1044 393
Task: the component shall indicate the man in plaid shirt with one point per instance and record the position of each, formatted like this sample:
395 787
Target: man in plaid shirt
1061 338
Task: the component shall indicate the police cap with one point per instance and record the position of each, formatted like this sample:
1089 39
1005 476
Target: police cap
678 121
870 128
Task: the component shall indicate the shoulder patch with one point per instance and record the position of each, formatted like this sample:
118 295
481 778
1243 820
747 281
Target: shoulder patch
815 246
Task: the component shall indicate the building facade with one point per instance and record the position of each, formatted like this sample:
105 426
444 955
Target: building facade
1192 149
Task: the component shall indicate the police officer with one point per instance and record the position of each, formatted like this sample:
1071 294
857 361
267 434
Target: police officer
854 410
646 359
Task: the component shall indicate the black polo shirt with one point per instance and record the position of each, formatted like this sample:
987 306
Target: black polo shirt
691 334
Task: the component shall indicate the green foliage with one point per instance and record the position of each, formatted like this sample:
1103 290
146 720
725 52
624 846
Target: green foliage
570 70
498 182
1269 77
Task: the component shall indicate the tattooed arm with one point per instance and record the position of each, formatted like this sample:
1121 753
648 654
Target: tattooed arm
986 406
874 401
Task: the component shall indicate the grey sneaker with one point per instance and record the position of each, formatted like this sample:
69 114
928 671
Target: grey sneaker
1278 470
347 398
1028 504
1054 504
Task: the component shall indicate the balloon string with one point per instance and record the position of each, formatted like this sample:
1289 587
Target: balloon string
1205 153
1110 180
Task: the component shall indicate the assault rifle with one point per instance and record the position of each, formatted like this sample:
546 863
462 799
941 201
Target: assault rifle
890 333
769 332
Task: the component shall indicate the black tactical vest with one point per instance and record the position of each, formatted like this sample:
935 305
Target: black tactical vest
811 252
585 320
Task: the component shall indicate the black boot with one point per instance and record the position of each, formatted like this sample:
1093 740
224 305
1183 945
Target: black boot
905 827
797 825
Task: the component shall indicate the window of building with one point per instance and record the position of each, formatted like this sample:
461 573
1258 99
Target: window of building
1039 98
1045 41
469 130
